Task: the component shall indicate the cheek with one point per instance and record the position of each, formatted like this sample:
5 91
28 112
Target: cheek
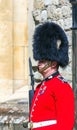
41 65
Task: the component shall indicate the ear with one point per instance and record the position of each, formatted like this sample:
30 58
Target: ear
54 64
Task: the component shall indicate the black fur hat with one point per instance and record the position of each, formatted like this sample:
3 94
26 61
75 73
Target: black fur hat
45 43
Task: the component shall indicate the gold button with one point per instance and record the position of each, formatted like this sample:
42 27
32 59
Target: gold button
31 125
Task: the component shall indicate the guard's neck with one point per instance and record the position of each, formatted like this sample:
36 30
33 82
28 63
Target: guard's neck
49 72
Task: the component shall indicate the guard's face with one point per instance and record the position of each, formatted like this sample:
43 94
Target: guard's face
44 66
41 64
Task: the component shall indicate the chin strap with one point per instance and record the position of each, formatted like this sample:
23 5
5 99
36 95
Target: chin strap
45 67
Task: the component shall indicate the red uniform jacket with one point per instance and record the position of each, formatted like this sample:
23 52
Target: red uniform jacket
53 100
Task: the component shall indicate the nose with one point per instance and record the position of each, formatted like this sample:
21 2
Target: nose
40 62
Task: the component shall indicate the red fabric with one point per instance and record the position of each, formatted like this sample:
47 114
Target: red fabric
54 101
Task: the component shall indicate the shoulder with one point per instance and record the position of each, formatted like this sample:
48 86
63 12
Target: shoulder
58 80
62 79
61 86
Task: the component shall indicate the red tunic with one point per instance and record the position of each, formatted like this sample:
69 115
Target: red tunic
53 100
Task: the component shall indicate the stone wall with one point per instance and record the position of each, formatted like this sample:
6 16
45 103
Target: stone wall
18 19
13 46
58 11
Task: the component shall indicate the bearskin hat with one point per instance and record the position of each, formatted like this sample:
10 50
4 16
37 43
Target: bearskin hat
50 43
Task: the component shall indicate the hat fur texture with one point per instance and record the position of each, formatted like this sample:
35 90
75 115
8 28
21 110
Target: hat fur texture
45 43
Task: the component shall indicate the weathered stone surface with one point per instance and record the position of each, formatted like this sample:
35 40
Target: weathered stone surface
47 2
25 62
69 35
20 15
38 4
68 23
37 15
12 114
5 33
6 63
20 37
63 2
6 87
13 46
55 2
61 22
19 65
50 11
66 11
6 10
70 54
44 15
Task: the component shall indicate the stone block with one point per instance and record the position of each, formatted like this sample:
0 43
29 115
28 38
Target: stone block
6 33
63 2
50 11
68 23
47 2
37 15
44 15
19 62
55 2
26 62
20 10
6 8
20 33
6 63
6 89
66 11
38 4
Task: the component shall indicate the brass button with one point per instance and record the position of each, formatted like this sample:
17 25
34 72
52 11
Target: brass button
30 125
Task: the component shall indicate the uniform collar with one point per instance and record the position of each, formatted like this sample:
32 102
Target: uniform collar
51 76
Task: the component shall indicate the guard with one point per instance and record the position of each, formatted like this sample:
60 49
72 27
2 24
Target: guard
52 106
